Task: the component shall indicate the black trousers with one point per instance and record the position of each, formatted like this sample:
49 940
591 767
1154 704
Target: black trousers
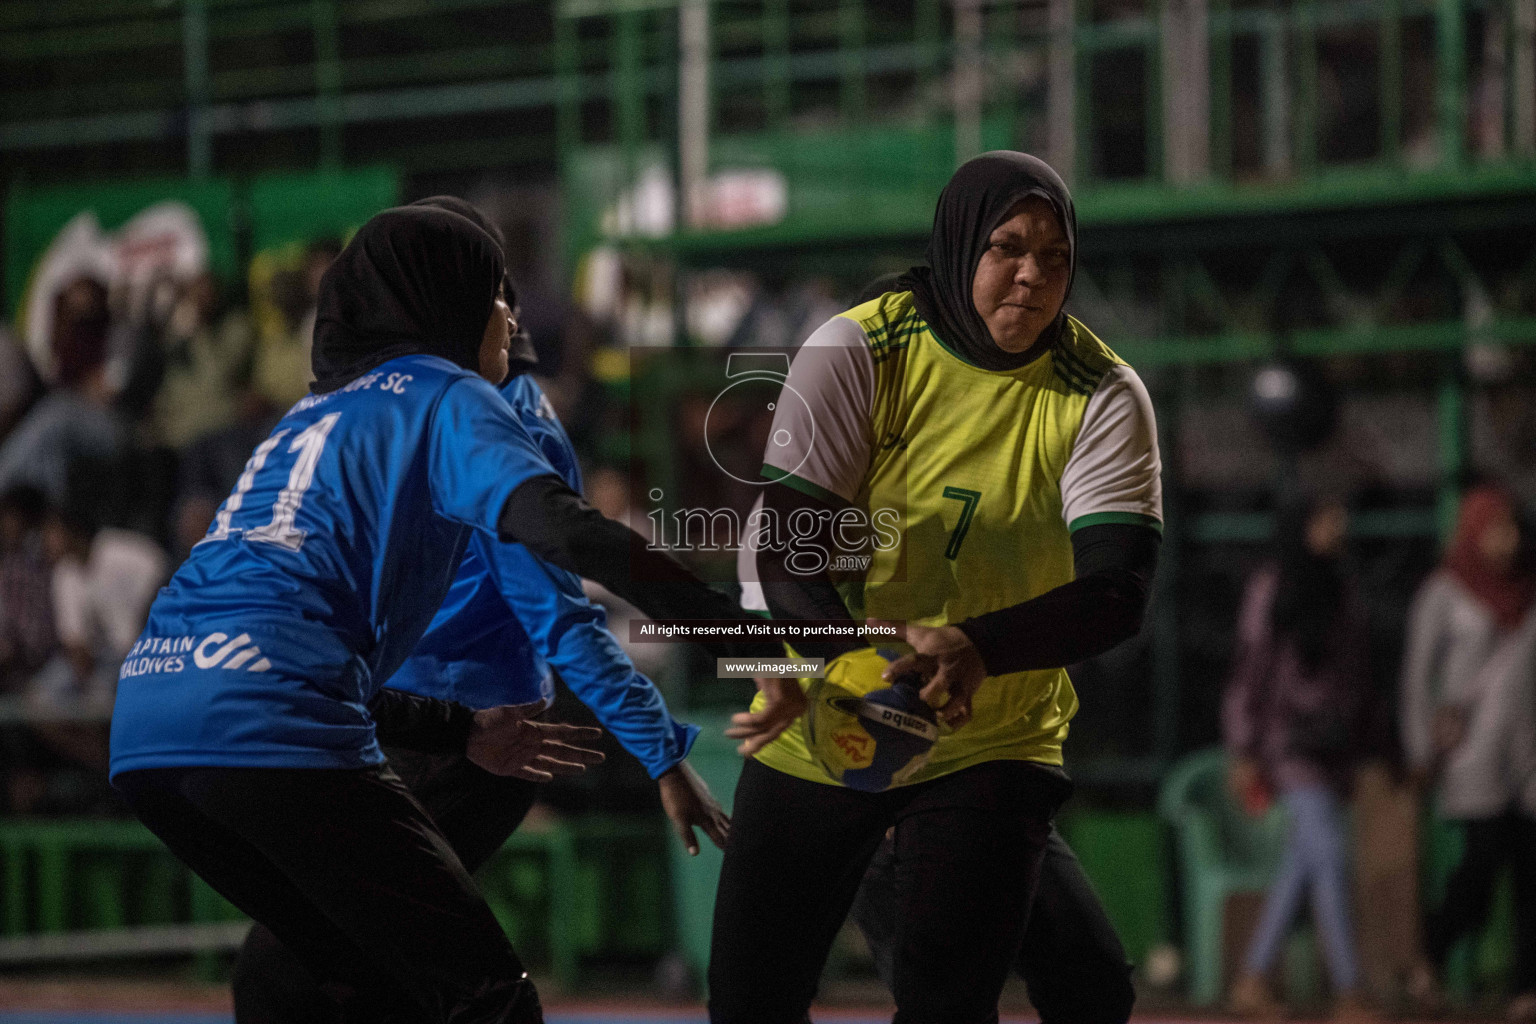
475 811
1490 843
1070 957
348 870
968 848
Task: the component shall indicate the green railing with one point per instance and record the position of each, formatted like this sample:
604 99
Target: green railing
1179 91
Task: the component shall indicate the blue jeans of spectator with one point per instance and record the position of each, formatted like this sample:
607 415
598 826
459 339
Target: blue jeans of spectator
1316 862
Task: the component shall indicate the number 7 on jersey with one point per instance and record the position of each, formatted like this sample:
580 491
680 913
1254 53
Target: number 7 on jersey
969 500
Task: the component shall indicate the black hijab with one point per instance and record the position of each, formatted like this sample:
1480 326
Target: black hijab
413 280
521 356
970 208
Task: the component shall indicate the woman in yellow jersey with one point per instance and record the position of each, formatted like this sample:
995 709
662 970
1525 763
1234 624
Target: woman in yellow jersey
1016 456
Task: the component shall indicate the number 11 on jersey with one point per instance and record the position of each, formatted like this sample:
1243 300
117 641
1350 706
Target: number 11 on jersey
309 443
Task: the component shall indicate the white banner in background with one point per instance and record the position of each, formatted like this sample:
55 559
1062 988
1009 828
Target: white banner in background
163 240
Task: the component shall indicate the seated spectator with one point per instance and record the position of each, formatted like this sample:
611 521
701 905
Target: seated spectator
207 471
55 759
103 583
281 373
26 604
72 433
207 366
18 382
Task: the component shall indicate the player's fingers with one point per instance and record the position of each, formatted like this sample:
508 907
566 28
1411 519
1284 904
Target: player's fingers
685 834
570 752
754 739
556 766
905 664
771 727
529 774
717 827
936 692
753 742
746 723
567 733
953 709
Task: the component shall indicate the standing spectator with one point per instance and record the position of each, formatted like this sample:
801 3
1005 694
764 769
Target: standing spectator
72 435
1466 719
1291 718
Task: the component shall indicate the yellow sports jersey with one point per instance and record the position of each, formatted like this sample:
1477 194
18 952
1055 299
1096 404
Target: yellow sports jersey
981 474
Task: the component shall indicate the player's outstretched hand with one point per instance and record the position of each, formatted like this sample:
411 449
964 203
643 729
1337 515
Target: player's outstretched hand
689 804
756 729
507 741
945 657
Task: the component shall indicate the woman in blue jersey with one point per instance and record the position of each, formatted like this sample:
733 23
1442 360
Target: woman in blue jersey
242 734
508 620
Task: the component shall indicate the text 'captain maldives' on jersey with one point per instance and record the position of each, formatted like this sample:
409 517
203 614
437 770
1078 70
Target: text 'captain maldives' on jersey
317 578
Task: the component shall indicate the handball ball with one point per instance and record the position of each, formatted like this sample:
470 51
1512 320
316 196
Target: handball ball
866 733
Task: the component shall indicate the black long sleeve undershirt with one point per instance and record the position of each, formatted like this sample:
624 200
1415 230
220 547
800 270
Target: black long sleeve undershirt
555 523
427 724
1101 608
795 595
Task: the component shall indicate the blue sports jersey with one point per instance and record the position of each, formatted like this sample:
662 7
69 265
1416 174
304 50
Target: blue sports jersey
320 573
510 616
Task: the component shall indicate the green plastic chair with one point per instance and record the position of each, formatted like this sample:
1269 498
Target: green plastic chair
1221 850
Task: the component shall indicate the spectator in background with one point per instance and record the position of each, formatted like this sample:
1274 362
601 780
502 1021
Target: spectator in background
1467 696
280 373
608 491
206 472
1290 718
26 606
18 382
103 583
72 435
207 364
94 587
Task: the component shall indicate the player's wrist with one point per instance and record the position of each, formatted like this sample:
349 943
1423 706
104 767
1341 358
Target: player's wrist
980 635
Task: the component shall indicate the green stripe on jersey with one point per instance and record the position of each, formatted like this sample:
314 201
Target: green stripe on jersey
1115 519
1077 374
779 476
890 326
